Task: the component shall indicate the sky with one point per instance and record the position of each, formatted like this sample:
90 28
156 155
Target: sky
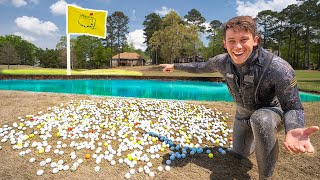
43 22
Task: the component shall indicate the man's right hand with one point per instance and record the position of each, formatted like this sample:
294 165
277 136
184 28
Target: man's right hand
167 67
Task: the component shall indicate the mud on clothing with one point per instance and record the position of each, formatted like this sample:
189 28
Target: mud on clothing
277 89
266 94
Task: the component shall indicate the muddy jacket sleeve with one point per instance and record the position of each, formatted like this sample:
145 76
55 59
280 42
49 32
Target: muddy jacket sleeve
216 63
288 95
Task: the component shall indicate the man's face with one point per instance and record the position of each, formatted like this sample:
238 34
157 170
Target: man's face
239 45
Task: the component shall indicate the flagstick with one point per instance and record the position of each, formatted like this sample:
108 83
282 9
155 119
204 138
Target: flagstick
68 55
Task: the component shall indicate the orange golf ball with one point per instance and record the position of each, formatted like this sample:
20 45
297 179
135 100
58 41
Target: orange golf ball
87 156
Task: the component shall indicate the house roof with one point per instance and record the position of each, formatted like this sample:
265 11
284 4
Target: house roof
127 55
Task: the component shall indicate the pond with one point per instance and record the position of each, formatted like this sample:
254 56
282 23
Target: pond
159 89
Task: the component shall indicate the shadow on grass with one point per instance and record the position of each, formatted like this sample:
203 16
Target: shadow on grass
221 166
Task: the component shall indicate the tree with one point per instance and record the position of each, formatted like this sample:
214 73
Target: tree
194 17
25 50
2 39
266 20
129 48
167 38
62 43
62 48
110 40
215 45
294 32
310 11
98 55
190 43
120 25
291 27
175 39
151 24
82 51
48 58
89 52
8 54
214 28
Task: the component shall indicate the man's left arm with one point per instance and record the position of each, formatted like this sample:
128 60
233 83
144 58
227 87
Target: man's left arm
297 136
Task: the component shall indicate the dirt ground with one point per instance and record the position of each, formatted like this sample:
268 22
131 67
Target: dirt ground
14 104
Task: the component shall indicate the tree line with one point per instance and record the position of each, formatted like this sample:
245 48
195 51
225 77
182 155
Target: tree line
293 34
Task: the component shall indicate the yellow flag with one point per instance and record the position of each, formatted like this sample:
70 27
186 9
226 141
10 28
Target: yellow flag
86 21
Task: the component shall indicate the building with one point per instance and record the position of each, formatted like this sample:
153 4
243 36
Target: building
127 59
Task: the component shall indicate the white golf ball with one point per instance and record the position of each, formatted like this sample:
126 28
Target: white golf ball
127 175
160 168
66 167
97 168
132 171
32 159
55 170
40 172
147 171
42 163
53 164
48 160
80 161
120 160
167 168
149 164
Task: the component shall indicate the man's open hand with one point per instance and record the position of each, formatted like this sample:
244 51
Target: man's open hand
298 141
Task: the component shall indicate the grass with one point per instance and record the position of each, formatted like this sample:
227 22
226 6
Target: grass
308 75
24 70
310 86
308 80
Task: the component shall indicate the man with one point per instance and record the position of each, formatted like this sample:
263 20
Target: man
265 91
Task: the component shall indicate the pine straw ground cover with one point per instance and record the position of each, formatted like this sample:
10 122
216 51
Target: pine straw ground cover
16 104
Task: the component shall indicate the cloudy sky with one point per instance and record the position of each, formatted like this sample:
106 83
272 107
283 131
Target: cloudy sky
42 22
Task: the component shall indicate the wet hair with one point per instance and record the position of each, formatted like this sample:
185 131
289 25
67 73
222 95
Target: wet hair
240 23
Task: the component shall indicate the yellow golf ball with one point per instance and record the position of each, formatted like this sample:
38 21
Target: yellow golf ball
41 151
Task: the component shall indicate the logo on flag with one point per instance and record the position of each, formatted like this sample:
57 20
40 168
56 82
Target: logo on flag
86 21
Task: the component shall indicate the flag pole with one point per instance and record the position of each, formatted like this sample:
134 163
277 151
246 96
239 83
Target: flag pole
68 44
68 55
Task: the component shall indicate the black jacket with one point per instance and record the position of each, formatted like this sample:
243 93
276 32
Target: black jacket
277 87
